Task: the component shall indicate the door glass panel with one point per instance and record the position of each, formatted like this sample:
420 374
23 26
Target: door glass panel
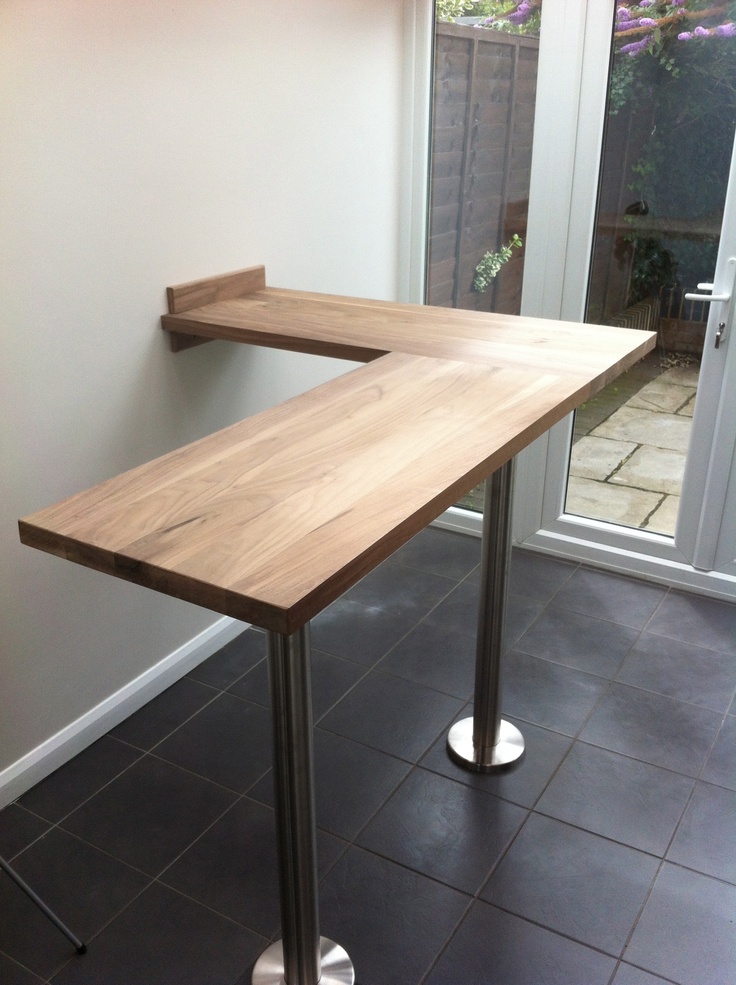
669 135
485 72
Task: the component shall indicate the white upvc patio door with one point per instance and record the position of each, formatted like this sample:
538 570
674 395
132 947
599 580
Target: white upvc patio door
570 115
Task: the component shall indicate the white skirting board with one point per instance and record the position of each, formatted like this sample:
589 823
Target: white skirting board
30 769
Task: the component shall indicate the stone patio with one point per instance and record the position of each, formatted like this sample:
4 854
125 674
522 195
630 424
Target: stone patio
629 447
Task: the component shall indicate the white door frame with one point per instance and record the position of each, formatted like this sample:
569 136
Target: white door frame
542 523
706 528
574 54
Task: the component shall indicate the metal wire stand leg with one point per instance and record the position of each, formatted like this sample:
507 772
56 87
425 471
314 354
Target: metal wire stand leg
81 948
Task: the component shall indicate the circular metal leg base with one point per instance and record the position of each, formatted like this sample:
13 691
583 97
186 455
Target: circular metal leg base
337 968
508 750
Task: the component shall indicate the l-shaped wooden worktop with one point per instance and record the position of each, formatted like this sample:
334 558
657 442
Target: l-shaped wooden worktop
273 518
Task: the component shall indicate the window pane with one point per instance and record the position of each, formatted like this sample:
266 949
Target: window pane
485 73
669 134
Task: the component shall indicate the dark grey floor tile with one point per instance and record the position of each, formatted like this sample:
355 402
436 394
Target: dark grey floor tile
706 838
228 742
29 943
460 611
253 686
681 670
18 828
166 939
70 785
361 633
85 888
573 882
524 782
695 619
686 932
232 661
157 719
441 552
720 766
443 829
332 678
538 576
520 615
496 947
150 814
574 640
619 798
391 921
351 782
396 716
653 728
11 973
233 869
609 596
548 694
437 655
628 975
401 590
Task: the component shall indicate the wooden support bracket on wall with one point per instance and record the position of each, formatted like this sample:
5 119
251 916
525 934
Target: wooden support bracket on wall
197 293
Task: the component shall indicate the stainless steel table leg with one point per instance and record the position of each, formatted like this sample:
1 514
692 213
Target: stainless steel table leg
301 957
486 742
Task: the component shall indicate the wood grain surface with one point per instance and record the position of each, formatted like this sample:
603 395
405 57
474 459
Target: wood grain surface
361 330
196 293
273 518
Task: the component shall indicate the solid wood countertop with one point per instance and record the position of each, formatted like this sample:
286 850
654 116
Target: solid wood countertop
361 329
273 518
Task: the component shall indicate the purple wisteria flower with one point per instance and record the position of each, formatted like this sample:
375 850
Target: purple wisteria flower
678 3
701 32
727 30
521 14
685 36
647 22
646 3
636 47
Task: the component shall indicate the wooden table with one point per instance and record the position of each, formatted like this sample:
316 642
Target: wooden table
273 518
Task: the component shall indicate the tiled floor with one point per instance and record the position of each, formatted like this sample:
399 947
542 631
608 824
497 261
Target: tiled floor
607 856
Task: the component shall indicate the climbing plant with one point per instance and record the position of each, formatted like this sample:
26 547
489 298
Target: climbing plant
675 64
511 16
491 263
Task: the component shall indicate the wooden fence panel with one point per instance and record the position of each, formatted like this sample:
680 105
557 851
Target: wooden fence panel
484 94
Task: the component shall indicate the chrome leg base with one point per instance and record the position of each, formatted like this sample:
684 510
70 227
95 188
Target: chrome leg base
337 968
507 751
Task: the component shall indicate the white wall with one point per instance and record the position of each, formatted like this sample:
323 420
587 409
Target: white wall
145 144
